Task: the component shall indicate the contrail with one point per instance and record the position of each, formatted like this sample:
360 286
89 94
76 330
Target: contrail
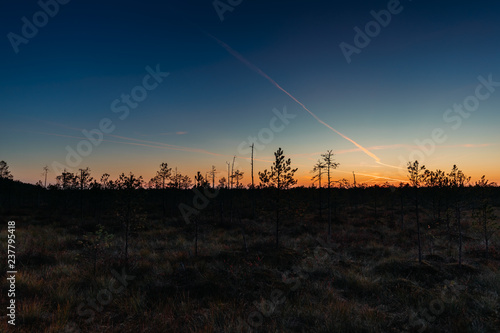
193 150
166 145
143 143
378 177
157 145
175 147
260 72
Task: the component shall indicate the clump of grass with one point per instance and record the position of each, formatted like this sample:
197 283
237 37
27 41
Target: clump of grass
353 284
33 313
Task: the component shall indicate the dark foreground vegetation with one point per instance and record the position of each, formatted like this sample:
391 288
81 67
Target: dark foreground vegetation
195 260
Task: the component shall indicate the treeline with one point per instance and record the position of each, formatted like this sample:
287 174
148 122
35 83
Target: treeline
433 205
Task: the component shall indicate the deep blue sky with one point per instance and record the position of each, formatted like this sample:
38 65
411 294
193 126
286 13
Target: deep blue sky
393 93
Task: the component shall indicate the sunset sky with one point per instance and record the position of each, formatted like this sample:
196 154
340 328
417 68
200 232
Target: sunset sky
400 89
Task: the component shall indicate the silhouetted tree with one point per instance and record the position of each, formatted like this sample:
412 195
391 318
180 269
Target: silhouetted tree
45 172
106 183
416 176
265 178
127 184
164 175
83 180
329 164
200 181
180 181
95 244
343 183
213 171
4 171
222 182
175 179
457 182
155 182
485 216
232 171
281 178
401 188
238 175
318 172
185 182
66 180
441 183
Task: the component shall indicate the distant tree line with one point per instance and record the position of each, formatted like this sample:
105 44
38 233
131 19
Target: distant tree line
441 204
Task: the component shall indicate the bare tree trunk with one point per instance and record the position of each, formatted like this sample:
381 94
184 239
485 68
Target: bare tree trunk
418 226
231 196
459 223
320 207
402 211
126 241
164 193
221 212
243 233
81 196
448 226
485 227
329 207
127 227
231 207
196 237
277 216
253 189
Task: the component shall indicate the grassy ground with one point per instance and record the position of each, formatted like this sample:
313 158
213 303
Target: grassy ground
366 279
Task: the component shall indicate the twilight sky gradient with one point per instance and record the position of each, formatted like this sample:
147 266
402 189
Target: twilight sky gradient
226 78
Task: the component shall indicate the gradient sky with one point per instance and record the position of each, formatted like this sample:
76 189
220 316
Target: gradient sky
395 91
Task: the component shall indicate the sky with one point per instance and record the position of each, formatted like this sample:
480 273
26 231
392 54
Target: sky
124 87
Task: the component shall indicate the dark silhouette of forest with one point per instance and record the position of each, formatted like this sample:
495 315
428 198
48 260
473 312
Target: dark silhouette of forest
434 200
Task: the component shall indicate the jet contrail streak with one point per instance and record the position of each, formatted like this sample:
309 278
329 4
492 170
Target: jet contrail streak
260 72
152 144
378 177
194 150
158 145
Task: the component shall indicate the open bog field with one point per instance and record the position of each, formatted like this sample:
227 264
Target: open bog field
221 271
